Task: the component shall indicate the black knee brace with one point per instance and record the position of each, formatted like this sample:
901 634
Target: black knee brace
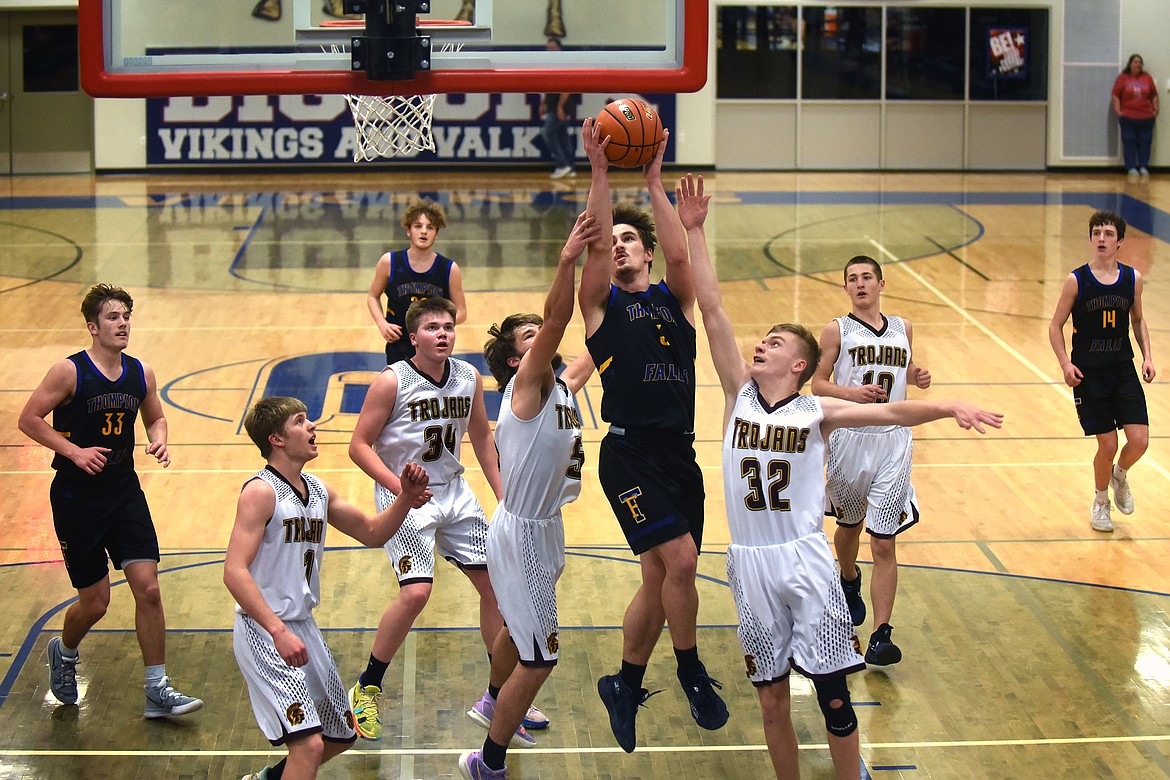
841 721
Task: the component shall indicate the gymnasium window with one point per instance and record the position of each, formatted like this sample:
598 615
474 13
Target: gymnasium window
756 52
1028 31
924 53
842 54
50 58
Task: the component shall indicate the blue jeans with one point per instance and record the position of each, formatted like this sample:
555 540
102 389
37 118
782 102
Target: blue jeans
1136 137
558 141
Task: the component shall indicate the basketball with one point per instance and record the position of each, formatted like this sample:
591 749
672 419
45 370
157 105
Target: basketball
634 130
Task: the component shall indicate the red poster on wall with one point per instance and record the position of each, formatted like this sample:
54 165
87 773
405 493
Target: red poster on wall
1007 52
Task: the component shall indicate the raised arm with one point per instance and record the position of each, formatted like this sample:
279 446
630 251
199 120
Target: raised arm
595 276
534 378
732 369
672 239
577 373
1068 296
376 410
376 531
253 511
1141 331
483 442
151 413
55 389
846 414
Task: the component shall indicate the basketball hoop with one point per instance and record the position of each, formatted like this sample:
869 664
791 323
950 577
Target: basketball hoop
395 125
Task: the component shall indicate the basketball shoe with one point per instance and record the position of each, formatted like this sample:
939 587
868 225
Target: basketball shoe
1122 494
472 767
162 701
535 720
882 651
367 721
707 708
622 702
484 710
1101 517
853 598
62 673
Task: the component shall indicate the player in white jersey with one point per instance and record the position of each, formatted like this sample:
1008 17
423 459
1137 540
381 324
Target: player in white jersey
867 357
791 608
272 569
420 409
538 436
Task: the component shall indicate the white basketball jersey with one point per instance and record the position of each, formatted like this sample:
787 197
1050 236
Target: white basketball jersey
773 469
287 567
873 357
428 420
541 458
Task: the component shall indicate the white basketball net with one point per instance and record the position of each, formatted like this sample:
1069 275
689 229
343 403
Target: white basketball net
393 126
399 125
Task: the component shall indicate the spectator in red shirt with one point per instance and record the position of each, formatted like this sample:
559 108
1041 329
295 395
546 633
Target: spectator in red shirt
1135 101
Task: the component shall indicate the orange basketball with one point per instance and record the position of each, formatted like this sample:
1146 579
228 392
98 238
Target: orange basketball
634 129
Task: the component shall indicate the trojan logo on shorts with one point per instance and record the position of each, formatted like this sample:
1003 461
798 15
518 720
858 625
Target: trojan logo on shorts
295 714
405 564
749 662
630 499
553 643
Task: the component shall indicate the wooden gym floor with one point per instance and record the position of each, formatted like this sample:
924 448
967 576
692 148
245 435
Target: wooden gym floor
1035 647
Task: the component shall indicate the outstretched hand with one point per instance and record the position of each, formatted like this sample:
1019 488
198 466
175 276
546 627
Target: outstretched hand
693 205
414 480
653 169
971 416
594 144
585 231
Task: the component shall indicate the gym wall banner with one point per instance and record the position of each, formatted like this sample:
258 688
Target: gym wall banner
1007 52
274 130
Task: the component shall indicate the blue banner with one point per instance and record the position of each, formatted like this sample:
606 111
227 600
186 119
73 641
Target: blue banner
319 129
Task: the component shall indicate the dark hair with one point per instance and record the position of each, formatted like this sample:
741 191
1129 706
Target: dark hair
641 221
1107 218
424 306
863 260
433 210
1133 57
95 300
812 350
501 345
268 416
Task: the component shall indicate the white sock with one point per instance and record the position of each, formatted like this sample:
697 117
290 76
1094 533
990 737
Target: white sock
70 652
1102 496
1119 473
155 673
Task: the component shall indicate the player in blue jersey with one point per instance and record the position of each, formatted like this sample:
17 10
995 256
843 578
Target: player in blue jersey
99 509
412 274
641 336
1104 298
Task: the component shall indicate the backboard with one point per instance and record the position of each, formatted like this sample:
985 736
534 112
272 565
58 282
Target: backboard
147 48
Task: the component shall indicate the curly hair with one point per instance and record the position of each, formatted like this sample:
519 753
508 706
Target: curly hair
433 210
